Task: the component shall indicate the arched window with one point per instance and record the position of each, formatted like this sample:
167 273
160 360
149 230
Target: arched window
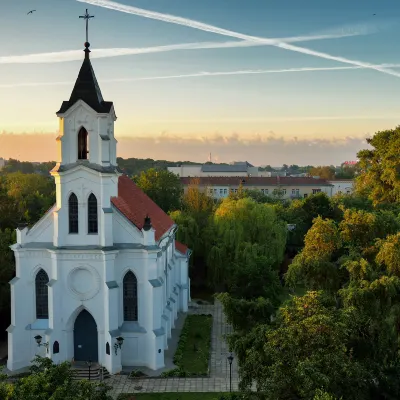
42 298
107 348
82 144
56 347
130 297
92 214
73 213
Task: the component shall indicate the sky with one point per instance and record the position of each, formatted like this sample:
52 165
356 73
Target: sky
258 80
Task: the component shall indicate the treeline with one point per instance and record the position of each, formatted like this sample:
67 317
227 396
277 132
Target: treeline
135 166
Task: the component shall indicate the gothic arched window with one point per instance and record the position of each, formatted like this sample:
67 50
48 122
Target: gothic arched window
130 297
108 348
42 297
92 214
73 213
56 347
83 144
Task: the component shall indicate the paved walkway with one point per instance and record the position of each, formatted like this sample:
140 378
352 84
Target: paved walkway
219 366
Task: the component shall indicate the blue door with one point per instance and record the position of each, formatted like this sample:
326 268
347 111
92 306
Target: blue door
85 338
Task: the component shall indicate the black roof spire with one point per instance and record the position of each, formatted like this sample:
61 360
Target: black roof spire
86 87
147 223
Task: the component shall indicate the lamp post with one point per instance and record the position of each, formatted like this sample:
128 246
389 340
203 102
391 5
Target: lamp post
38 339
89 363
230 360
118 344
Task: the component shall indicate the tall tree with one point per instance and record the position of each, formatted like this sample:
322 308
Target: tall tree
324 172
163 187
380 178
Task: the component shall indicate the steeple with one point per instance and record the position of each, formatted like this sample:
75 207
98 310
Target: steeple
86 87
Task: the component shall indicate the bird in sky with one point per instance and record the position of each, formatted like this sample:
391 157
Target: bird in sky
31 12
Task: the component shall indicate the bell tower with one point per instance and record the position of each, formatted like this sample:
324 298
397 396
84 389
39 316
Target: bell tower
86 172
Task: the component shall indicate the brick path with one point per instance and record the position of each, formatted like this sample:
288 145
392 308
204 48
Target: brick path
219 366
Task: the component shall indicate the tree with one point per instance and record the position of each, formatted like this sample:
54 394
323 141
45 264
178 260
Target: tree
197 204
324 172
33 195
313 267
303 351
243 230
7 271
380 177
163 187
49 381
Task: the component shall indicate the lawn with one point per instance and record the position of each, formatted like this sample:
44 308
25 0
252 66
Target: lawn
196 343
193 350
170 396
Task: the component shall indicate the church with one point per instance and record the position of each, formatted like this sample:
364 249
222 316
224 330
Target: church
100 277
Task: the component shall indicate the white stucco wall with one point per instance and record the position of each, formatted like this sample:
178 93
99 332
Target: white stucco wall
345 186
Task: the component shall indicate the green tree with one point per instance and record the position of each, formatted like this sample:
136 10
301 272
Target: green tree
303 351
380 177
243 230
32 194
163 187
49 381
314 266
324 172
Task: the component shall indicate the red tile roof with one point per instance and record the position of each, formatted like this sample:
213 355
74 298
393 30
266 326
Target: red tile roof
134 204
257 180
181 247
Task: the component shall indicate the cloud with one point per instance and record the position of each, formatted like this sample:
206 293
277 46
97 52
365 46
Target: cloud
74 55
225 32
195 75
259 149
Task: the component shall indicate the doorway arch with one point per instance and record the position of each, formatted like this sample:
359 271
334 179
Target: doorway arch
85 338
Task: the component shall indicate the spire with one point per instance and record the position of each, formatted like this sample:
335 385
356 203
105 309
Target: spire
147 223
86 87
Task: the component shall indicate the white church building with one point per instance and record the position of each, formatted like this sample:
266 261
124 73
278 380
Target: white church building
100 277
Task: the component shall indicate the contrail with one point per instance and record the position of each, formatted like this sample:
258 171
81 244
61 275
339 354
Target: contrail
200 74
225 32
74 55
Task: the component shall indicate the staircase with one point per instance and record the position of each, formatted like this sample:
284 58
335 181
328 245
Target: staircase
97 372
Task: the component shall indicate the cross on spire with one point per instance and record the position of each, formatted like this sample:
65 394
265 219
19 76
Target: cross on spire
87 17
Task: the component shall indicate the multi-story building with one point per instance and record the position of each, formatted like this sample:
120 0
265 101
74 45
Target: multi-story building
285 187
342 186
239 168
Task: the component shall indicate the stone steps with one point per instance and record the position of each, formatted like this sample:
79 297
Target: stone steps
96 372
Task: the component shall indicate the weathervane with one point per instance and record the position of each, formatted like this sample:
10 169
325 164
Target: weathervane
87 17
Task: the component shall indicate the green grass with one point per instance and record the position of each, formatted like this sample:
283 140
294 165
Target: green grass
193 352
170 396
196 348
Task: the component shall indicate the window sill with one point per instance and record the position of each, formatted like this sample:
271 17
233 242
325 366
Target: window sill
132 326
39 325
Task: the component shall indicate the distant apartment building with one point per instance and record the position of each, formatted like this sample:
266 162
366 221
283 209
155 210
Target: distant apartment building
342 186
2 162
238 168
219 187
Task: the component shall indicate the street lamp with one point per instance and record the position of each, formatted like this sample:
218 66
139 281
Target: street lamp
291 227
118 344
89 364
230 360
38 339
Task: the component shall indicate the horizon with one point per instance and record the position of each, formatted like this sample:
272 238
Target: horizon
271 84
